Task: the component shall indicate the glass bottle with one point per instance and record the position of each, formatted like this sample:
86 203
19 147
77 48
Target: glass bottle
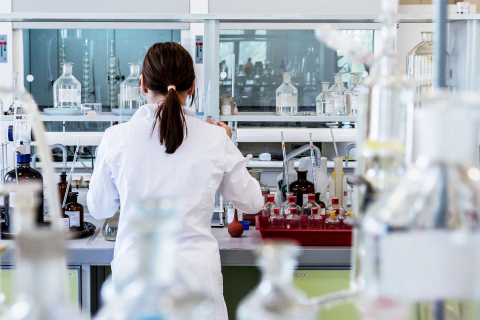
151 290
292 221
420 64
24 173
62 186
315 221
110 227
324 101
307 210
302 187
322 205
338 209
229 212
130 88
348 222
268 210
354 100
74 211
332 222
276 297
67 91
289 204
338 93
277 221
287 98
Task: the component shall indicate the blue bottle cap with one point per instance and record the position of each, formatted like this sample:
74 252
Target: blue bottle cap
23 158
246 225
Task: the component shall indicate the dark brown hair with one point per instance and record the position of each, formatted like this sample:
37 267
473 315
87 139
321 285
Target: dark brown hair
169 64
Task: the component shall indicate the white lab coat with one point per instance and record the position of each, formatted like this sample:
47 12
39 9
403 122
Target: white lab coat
131 165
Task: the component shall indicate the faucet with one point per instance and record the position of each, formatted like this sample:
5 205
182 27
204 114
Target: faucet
54 146
298 152
347 151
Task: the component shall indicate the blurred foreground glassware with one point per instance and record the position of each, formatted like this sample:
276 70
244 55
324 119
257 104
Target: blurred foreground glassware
67 89
430 217
110 227
287 98
276 297
152 290
420 64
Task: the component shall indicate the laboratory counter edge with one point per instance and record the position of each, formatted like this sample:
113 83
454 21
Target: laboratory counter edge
233 251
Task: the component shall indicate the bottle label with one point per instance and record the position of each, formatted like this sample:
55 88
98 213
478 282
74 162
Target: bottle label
13 199
74 218
68 95
65 224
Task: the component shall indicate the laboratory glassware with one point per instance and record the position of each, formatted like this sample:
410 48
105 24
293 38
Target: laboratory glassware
62 186
354 95
315 221
309 67
287 97
74 211
86 74
112 79
338 93
430 216
421 65
67 89
277 220
292 221
257 174
335 206
267 210
307 210
276 297
229 212
152 290
110 227
130 89
332 222
14 100
289 204
301 188
324 101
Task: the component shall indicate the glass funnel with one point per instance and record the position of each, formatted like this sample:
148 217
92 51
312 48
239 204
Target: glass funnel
324 101
338 93
66 89
276 297
110 227
421 65
130 88
287 97
152 290
430 217
354 95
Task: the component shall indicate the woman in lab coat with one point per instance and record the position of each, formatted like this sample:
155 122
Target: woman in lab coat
164 151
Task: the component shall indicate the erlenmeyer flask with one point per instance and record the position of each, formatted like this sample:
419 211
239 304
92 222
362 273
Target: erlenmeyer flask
110 227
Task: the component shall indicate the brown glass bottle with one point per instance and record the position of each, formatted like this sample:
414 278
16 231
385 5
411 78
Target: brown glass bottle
24 173
74 211
301 187
62 186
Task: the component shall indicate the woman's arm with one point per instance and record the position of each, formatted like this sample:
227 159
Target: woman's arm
238 185
103 199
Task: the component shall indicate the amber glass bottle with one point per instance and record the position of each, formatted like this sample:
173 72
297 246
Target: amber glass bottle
62 186
74 211
302 187
24 173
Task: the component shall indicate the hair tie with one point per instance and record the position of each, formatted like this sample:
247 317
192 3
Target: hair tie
171 87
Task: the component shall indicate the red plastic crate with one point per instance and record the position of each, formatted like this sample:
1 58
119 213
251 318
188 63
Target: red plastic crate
307 237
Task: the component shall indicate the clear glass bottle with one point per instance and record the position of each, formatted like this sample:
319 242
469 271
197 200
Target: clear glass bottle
324 101
110 227
67 91
267 210
354 99
229 212
287 98
289 204
277 221
348 222
152 291
276 297
338 209
307 210
315 220
338 93
292 221
130 89
421 64
332 222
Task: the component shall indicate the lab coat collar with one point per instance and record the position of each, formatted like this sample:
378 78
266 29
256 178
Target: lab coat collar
148 111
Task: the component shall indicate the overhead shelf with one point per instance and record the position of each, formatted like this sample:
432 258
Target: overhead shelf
271 117
104 117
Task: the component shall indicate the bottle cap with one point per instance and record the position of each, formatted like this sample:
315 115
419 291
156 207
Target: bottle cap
276 210
301 170
332 214
350 213
292 199
314 210
271 198
333 175
23 158
311 197
335 200
293 211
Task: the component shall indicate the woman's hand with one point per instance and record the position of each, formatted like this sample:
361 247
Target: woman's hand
221 124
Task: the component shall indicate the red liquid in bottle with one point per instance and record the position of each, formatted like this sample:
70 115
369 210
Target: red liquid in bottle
293 220
277 221
332 222
267 211
315 221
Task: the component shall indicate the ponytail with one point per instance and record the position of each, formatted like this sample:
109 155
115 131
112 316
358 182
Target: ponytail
172 129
